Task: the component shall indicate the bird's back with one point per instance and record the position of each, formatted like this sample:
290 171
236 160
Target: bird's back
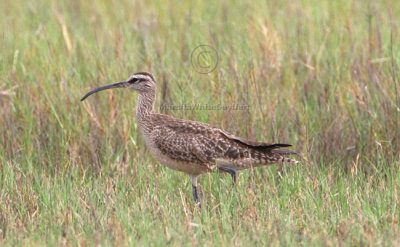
200 144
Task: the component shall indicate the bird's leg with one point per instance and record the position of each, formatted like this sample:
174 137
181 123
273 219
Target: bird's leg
195 196
230 171
194 186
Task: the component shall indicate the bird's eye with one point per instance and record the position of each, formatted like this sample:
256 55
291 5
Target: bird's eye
133 80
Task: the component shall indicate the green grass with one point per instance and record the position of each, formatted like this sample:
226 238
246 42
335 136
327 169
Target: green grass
321 75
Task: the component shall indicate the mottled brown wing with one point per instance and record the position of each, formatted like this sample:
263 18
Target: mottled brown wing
191 141
195 141
174 144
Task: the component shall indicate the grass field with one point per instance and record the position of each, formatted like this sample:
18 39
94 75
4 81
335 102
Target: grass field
321 75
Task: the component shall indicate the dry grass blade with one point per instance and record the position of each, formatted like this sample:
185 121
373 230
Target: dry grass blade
93 116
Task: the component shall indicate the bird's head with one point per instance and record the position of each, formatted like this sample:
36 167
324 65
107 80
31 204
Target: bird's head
142 82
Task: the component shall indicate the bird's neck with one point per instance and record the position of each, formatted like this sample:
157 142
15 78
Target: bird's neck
145 105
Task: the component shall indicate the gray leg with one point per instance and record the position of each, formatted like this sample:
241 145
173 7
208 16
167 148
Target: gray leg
194 186
230 171
195 196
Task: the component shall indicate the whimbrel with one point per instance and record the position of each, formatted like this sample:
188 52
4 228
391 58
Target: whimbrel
193 147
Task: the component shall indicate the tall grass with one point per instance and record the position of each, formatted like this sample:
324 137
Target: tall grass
321 75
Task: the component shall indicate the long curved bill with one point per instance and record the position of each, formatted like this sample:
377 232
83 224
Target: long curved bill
115 85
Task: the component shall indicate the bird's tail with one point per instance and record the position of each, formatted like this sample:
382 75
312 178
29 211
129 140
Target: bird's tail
281 155
287 160
273 156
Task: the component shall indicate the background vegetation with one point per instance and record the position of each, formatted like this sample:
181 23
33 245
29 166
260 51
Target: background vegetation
321 75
